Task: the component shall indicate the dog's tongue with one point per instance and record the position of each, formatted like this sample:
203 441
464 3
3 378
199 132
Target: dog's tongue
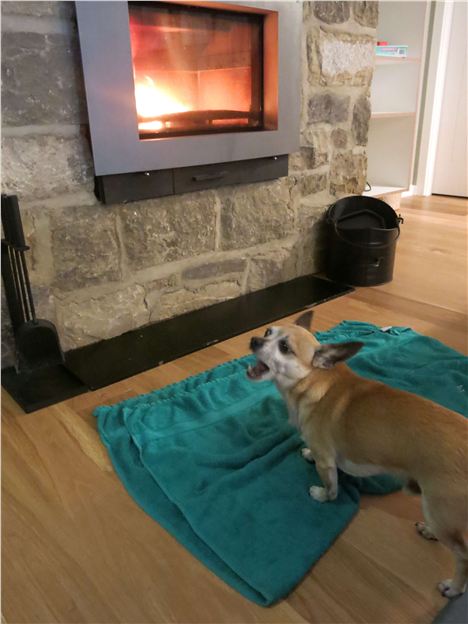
257 370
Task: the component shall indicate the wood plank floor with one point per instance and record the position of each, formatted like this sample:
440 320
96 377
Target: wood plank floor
77 549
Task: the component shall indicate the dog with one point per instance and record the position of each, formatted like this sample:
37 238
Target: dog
365 428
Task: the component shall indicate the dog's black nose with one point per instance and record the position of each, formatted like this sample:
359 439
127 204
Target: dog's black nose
256 343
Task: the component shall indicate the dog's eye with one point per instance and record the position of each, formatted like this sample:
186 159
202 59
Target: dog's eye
268 332
284 347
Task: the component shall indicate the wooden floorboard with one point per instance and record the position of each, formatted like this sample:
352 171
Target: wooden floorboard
76 548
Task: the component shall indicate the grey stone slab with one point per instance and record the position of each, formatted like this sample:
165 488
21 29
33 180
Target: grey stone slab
168 229
85 248
335 12
41 166
256 214
41 79
348 173
328 107
366 13
39 8
361 118
215 269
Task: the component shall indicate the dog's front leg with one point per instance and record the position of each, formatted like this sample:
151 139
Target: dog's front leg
328 473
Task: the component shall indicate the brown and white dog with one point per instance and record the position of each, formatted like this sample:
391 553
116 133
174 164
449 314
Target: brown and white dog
365 428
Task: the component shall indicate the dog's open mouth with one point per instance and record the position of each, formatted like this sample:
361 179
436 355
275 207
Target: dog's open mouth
257 371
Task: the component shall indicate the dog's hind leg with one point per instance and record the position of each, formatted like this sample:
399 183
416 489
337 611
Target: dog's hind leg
328 473
446 518
456 586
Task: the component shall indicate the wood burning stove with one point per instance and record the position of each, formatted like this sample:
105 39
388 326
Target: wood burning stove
184 96
196 70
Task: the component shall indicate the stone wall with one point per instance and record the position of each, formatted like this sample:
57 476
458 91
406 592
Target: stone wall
98 271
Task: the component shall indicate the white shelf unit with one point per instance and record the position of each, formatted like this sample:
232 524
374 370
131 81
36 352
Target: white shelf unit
392 114
380 191
395 98
388 60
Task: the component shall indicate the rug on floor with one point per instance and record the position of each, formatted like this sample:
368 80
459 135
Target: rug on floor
215 462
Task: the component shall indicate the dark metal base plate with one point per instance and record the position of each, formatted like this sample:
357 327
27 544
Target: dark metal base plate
43 387
127 187
108 361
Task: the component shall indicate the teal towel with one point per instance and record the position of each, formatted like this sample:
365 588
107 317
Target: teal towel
214 460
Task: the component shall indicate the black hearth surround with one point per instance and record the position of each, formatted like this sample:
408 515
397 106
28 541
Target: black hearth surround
109 361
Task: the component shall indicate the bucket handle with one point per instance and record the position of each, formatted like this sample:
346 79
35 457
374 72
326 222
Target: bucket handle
353 244
351 215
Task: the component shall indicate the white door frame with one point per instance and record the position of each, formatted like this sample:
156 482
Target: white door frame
438 46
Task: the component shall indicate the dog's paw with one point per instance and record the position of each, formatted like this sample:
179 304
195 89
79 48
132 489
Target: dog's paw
425 531
307 454
447 589
318 493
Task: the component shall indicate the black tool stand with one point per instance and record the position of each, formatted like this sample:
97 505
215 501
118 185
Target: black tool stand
40 376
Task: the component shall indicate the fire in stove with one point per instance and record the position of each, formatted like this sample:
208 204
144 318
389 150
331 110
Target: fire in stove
153 103
196 69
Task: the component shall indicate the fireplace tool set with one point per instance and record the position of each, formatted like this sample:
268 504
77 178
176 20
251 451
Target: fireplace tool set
39 370
36 340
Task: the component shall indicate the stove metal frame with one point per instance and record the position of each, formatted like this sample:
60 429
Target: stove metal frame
108 73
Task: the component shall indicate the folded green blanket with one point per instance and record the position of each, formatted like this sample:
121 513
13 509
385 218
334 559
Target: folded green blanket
214 460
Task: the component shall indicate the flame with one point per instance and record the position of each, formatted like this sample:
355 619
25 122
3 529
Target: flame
153 101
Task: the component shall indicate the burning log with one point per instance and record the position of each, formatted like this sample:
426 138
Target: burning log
202 117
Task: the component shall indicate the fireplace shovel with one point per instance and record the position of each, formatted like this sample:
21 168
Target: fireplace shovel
37 342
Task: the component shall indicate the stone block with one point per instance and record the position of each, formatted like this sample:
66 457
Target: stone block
348 174
44 302
361 118
255 214
311 61
64 9
312 245
328 107
366 13
273 267
335 12
39 166
85 247
217 269
307 10
339 138
41 79
185 300
312 236
168 229
162 283
313 207
311 157
310 183
346 59
155 288
84 321
36 226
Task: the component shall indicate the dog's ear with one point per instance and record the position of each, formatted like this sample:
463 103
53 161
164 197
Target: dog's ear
327 355
305 320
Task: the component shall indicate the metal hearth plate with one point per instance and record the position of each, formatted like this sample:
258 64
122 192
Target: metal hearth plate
112 360
108 361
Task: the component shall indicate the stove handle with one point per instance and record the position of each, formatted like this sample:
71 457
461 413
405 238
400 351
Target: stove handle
203 177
